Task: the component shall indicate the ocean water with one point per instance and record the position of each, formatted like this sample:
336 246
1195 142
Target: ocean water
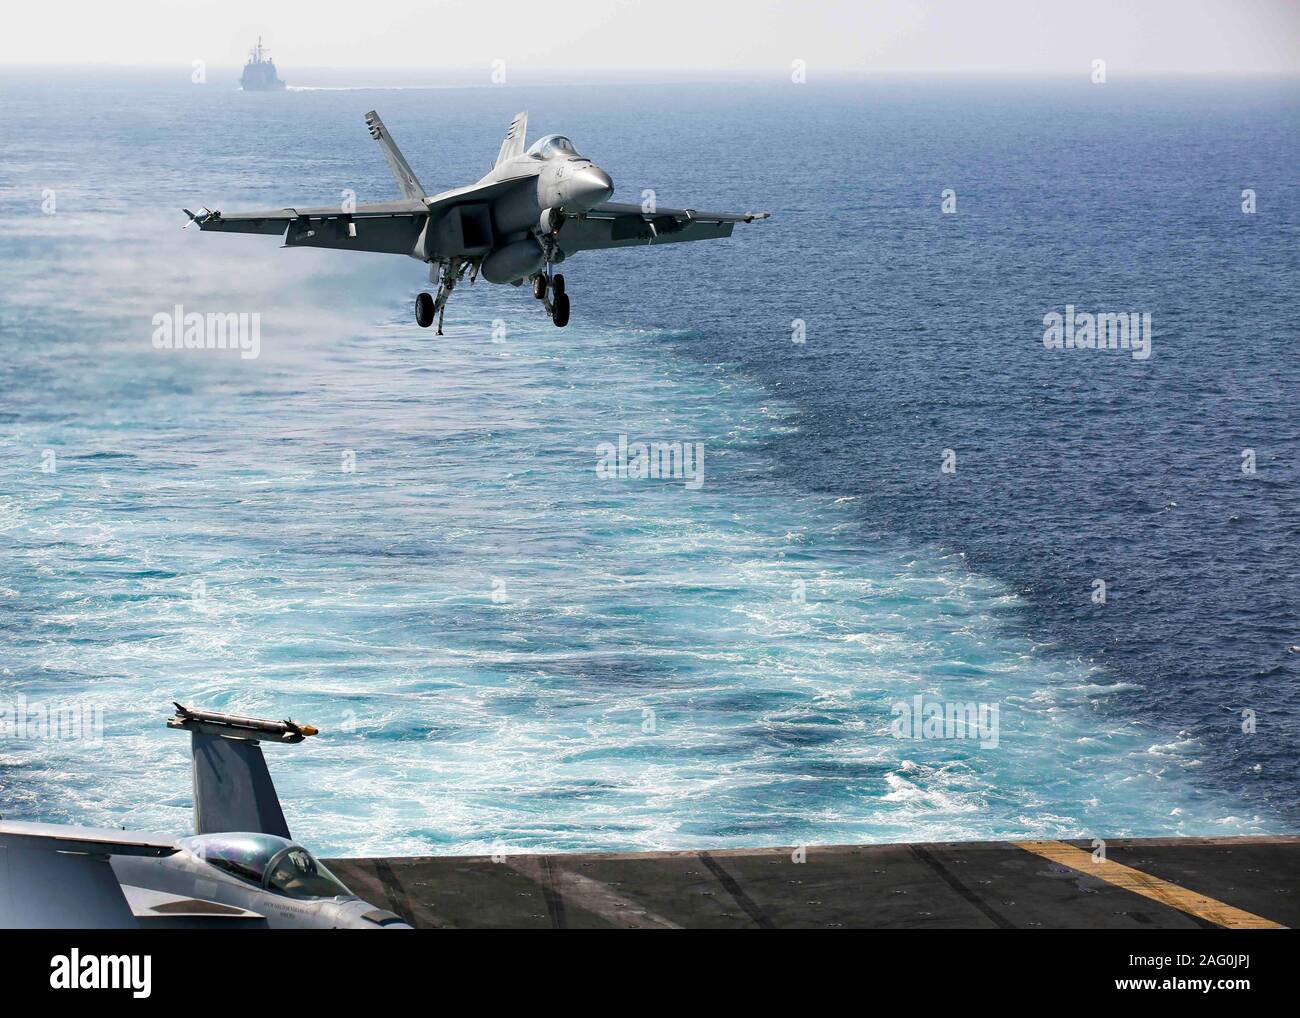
403 539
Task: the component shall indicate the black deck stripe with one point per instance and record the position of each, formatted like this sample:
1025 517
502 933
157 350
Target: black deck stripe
398 902
938 867
554 900
750 906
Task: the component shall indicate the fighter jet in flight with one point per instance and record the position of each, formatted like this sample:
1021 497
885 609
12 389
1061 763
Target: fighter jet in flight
534 208
240 868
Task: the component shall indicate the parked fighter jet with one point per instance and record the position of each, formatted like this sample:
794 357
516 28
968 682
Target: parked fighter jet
241 867
532 210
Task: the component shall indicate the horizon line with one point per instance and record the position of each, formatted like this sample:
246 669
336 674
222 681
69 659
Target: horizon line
756 71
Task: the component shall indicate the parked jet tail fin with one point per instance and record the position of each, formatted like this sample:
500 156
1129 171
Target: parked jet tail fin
233 790
514 141
402 172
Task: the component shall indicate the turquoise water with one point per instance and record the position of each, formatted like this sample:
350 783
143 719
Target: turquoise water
499 646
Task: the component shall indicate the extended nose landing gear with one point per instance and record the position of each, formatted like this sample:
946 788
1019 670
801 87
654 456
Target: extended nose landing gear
558 306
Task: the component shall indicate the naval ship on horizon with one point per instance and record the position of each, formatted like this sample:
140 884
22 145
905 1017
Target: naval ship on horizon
259 75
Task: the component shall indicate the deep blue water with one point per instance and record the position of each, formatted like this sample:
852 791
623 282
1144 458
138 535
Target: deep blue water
644 676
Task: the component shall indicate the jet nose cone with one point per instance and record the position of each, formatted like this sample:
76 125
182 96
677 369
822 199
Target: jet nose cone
590 186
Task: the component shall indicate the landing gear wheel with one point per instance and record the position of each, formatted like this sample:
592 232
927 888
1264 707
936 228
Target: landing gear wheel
560 308
539 286
424 310
557 288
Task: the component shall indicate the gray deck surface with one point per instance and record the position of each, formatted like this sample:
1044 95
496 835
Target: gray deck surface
921 886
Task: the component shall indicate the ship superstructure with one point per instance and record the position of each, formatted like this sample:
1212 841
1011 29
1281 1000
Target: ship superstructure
259 73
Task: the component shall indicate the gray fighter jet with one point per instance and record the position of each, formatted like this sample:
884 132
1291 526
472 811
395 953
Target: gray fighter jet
534 208
241 867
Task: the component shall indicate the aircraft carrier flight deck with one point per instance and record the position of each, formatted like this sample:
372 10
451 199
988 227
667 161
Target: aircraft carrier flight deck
1155 883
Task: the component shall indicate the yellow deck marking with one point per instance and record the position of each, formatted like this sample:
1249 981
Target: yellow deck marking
1149 887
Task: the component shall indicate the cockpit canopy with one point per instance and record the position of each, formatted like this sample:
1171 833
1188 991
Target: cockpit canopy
553 146
268 861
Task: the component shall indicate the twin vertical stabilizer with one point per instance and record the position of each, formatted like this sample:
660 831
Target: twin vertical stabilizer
402 172
514 142
233 790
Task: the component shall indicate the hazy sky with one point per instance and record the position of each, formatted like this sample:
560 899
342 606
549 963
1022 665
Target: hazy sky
703 36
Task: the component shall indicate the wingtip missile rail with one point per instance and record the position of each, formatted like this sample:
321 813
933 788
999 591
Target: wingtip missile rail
236 726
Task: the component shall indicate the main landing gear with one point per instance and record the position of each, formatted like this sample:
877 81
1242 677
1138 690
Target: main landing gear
558 306
448 274
549 289
424 310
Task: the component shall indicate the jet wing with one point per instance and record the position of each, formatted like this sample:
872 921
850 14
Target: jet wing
60 877
44 889
390 227
617 224
84 840
57 877
394 227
